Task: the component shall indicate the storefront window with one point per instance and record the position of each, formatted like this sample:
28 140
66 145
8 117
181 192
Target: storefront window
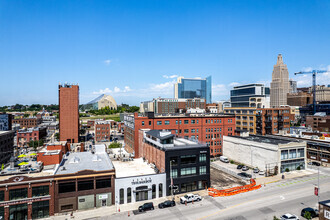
18 194
174 173
121 196
2 212
301 152
284 154
66 187
40 209
153 191
129 195
103 183
292 153
85 185
160 190
200 186
18 212
188 187
40 191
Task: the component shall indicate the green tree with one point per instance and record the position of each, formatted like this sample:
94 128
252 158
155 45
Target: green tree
275 218
307 215
115 145
287 170
57 136
2 167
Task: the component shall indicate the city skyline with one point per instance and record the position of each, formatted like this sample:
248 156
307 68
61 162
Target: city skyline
134 51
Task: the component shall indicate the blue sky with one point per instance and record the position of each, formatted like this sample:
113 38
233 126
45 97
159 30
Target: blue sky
134 49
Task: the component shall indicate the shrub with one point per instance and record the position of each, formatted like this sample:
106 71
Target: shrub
115 145
275 218
231 161
307 215
298 168
287 170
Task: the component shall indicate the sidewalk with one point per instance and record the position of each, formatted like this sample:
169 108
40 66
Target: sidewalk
110 210
288 175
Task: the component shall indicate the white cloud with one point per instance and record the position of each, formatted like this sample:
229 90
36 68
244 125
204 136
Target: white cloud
107 62
116 89
127 89
170 77
233 84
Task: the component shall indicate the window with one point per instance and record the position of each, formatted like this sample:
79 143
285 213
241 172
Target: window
230 129
174 173
186 121
202 157
153 191
85 185
2 196
180 122
160 190
176 122
18 193
188 171
197 130
202 170
40 209
121 196
292 154
40 191
192 137
188 159
167 122
196 121
129 195
284 154
192 121
301 152
103 183
159 122
142 123
149 122
192 130
186 130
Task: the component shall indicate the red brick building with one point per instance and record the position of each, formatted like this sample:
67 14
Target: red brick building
69 112
53 153
102 130
24 136
273 120
318 122
27 196
27 122
206 128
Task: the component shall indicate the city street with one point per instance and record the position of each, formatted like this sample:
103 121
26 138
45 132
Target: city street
273 200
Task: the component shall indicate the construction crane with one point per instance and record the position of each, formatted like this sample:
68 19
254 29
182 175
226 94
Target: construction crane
314 72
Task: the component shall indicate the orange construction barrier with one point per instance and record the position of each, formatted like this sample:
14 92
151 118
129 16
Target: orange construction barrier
234 190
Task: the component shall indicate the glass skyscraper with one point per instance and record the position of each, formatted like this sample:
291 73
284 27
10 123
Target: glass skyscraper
194 88
249 95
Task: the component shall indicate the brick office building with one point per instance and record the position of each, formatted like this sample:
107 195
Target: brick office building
28 196
24 136
206 128
69 112
53 153
318 122
273 120
186 161
30 122
102 130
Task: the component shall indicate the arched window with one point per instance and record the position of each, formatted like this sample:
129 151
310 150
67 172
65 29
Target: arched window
121 196
129 195
160 189
153 191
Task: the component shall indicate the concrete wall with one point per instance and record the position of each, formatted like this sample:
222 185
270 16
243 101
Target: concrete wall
239 150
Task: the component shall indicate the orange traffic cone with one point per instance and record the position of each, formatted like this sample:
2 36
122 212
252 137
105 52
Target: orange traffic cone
118 209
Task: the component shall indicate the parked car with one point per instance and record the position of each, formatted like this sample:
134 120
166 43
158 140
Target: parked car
224 159
261 172
314 212
316 163
245 168
246 175
189 198
289 216
146 206
167 203
240 166
256 170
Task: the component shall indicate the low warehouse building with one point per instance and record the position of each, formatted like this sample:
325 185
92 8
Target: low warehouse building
274 154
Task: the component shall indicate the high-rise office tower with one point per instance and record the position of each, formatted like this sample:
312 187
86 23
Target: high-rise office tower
69 112
250 95
194 88
280 86
293 86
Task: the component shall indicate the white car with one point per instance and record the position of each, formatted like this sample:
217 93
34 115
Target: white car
289 216
261 172
189 198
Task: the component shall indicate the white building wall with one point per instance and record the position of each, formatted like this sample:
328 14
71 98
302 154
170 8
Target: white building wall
239 150
133 182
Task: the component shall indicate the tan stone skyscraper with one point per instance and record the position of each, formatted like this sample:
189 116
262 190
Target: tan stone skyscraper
280 85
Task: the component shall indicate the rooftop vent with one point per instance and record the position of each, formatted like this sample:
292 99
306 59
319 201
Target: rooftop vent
75 160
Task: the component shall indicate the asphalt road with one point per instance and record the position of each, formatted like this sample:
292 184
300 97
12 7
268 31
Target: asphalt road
275 199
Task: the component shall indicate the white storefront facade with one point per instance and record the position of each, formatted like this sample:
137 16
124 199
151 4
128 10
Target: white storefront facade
139 188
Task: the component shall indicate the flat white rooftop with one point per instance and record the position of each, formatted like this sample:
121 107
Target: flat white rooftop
132 168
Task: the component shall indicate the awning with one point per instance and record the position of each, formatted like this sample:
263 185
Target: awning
141 190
